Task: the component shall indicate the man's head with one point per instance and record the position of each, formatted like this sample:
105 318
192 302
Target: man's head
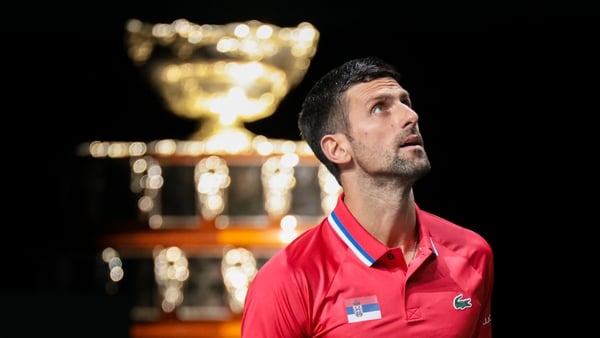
325 108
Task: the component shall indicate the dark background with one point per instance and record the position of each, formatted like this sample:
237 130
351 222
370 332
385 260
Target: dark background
503 94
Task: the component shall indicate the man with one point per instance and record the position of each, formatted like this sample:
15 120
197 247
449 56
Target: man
378 265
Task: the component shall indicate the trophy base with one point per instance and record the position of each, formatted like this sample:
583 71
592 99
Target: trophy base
231 140
206 185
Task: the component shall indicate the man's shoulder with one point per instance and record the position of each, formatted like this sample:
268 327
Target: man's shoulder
308 243
451 234
296 260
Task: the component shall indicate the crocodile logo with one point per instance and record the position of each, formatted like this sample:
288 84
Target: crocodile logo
461 303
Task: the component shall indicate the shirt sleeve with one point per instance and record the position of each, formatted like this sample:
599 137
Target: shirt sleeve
274 305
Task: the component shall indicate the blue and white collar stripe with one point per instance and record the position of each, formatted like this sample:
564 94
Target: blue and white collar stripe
339 228
433 247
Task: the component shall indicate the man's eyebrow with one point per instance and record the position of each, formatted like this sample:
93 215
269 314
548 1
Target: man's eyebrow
402 94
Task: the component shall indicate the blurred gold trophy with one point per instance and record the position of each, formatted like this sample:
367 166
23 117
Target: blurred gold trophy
225 198
222 75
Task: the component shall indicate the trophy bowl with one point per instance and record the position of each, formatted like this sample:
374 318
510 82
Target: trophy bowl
222 75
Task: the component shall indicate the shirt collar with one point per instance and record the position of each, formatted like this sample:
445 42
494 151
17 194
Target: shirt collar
366 247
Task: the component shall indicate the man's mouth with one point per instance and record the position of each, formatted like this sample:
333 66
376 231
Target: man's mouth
412 140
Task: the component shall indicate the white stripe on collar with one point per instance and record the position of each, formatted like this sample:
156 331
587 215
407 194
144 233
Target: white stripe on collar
339 228
433 247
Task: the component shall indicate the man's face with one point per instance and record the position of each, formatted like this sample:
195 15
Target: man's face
383 130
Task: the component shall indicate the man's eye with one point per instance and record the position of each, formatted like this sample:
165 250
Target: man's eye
377 109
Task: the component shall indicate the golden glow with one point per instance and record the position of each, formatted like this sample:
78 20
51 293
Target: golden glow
115 266
137 148
238 268
223 75
330 189
288 231
278 180
170 272
166 147
288 223
277 157
145 204
212 178
229 140
259 144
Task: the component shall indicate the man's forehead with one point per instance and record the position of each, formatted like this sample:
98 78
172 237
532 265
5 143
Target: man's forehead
374 87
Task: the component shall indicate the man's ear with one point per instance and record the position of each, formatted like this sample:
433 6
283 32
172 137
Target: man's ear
336 148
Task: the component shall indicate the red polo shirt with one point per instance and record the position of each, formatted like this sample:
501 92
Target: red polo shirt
337 280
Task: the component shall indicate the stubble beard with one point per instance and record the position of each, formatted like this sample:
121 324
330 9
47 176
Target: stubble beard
411 168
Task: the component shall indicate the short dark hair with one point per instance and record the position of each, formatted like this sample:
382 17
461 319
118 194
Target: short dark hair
323 109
